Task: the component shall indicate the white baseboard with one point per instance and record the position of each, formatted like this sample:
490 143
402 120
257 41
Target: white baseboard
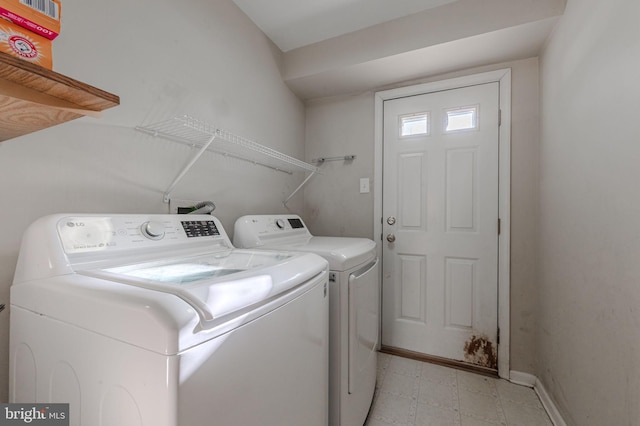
524 379
529 380
548 404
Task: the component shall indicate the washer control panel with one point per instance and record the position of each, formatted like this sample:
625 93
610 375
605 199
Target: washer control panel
93 233
200 228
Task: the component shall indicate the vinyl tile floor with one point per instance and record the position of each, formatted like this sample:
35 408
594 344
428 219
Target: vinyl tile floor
415 393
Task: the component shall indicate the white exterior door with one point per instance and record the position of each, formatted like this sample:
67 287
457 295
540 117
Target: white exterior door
440 224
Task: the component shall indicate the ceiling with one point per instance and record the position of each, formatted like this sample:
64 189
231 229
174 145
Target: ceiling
339 47
294 23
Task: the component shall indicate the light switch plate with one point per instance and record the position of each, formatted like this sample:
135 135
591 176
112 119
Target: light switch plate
364 185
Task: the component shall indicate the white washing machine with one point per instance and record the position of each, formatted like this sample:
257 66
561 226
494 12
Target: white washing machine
157 320
353 305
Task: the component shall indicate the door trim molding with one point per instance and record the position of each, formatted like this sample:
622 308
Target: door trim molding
503 78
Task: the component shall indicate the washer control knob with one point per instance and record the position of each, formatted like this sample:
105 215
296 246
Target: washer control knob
152 230
280 223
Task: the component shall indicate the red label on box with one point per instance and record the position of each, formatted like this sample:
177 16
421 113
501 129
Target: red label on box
25 23
41 17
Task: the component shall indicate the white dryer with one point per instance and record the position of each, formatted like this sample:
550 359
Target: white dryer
157 320
353 305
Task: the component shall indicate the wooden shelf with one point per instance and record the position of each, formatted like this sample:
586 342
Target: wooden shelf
33 98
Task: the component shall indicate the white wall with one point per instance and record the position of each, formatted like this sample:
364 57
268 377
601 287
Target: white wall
589 293
163 58
333 205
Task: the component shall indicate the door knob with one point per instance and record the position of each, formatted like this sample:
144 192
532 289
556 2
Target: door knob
391 220
391 238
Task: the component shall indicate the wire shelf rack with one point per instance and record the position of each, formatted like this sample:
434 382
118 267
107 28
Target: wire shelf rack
194 132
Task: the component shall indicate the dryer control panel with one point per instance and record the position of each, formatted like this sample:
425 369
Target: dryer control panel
257 230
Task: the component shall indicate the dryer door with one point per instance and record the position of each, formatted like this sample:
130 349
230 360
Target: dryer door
364 320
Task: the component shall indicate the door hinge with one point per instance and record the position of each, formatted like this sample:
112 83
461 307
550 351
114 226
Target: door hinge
499 226
499 117
498 337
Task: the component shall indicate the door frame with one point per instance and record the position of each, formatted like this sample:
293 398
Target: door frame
503 78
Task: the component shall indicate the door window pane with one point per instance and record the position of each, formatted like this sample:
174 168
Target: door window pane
414 124
457 119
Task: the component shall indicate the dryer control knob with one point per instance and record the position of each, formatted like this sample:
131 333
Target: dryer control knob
152 230
280 223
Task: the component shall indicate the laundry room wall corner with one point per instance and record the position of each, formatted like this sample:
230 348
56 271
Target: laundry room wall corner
333 203
588 293
163 58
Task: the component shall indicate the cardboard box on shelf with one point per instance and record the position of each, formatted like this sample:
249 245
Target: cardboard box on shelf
39 16
24 44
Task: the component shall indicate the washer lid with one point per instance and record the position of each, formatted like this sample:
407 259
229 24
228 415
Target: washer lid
342 253
221 283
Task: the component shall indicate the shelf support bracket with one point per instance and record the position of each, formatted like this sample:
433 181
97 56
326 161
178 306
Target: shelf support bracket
304 182
343 158
191 131
203 148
